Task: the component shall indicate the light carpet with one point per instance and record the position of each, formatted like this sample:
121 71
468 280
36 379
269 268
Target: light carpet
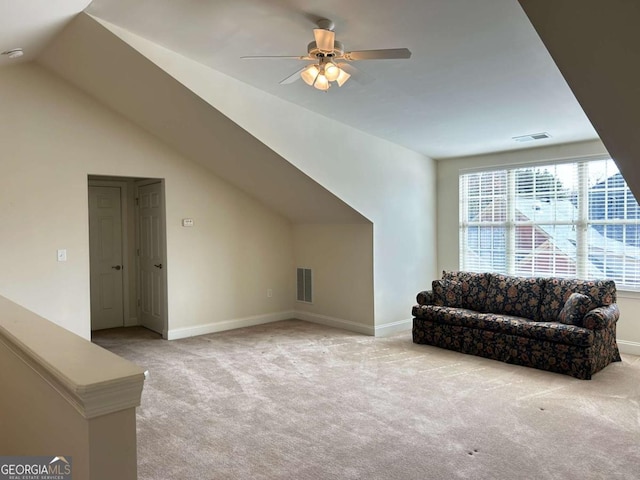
294 400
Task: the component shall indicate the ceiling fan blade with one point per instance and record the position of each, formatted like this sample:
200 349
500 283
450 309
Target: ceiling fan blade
284 57
384 54
325 39
293 77
357 74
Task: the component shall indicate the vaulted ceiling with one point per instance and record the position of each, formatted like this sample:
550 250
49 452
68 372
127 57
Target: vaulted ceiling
479 74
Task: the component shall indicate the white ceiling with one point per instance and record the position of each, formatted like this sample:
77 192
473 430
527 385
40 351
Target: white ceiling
32 24
479 74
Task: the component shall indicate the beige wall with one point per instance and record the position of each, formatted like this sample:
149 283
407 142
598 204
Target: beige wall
38 413
341 258
447 219
53 138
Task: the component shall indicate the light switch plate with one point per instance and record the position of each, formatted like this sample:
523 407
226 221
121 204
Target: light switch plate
62 255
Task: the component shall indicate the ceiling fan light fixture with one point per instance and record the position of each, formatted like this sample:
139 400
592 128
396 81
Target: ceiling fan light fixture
330 61
332 72
342 77
322 83
310 74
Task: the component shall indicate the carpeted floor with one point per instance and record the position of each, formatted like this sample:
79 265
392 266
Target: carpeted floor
294 400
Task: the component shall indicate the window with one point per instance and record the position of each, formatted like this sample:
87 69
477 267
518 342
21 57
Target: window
569 219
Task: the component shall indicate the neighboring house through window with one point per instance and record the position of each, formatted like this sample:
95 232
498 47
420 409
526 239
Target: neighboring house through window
575 219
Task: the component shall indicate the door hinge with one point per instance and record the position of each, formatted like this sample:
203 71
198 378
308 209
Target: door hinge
138 302
137 200
137 251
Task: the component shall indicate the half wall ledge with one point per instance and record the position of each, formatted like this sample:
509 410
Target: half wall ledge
93 380
64 396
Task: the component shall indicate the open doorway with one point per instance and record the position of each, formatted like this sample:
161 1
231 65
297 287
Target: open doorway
127 245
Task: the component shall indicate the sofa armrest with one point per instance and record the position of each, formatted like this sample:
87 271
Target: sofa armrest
601 317
425 297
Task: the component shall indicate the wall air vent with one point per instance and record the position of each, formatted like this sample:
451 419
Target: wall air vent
304 285
533 136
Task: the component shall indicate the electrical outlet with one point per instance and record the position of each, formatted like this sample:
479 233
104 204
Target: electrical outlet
269 293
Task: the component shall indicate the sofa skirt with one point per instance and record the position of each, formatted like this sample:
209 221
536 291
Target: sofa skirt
578 361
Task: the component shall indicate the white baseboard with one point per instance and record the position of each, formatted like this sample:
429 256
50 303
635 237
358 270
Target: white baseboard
394 327
131 322
176 333
334 322
632 348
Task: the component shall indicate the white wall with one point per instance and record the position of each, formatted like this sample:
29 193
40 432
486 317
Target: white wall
448 240
388 184
341 258
53 137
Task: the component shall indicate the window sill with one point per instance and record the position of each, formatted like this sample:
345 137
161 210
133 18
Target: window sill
631 294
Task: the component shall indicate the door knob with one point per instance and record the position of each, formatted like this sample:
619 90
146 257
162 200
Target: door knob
158 265
116 267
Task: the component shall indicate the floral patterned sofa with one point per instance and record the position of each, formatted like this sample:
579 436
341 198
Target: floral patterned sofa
561 325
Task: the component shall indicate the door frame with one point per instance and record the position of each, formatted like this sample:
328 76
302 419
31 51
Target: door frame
165 291
126 311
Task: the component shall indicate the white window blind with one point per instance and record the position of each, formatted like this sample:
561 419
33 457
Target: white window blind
570 220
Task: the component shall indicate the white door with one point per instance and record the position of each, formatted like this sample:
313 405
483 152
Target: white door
105 247
151 264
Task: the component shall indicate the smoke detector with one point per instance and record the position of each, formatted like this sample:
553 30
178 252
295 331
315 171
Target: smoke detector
533 136
14 53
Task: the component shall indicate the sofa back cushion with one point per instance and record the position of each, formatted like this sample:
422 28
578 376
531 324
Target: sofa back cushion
447 293
473 288
558 290
517 296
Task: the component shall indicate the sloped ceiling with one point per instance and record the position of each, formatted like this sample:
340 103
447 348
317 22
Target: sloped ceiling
479 74
101 64
596 45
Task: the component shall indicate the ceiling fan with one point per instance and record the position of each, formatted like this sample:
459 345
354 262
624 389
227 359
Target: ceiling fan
330 59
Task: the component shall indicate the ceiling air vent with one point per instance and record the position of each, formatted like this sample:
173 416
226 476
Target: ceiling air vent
533 136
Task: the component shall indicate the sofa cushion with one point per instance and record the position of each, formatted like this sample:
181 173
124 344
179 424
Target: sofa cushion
517 296
575 308
558 290
507 324
447 293
474 288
